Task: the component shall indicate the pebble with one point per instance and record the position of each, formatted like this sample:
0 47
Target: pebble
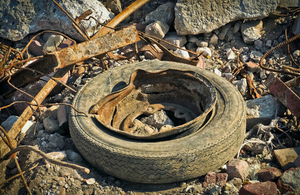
296 53
241 85
252 67
50 125
175 39
236 27
224 31
90 181
206 51
269 43
193 39
256 56
157 29
230 54
52 43
61 155
237 168
201 43
74 156
244 58
216 71
258 44
214 39
227 75
182 53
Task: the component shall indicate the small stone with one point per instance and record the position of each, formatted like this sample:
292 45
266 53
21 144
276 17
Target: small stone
90 181
36 48
258 44
62 114
201 43
252 31
230 54
52 43
164 13
182 53
236 27
224 31
252 67
206 51
296 54
58 97
57 155
157 29
244 58
237 182
237 168
227 75
226 69
297 162
193 39
287 156
269 43
115 6
269 174
174 39
73 156
266 188
241 85
216 190
50 125
262 74
256 56
216 71
214 39
290 180
263 110
296 26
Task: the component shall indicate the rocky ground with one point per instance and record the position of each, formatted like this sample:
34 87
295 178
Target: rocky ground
266 164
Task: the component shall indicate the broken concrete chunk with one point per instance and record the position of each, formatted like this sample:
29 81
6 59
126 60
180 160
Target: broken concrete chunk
241 85
237 168
263 110
157 29
52 43
266 188
164 13
287 156
252 31
182 53
174 39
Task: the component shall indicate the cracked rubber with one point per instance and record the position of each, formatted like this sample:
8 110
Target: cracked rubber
164 161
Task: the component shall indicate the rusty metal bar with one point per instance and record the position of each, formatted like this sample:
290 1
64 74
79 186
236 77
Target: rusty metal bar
284 94
120 17
94 47
14 131
71 55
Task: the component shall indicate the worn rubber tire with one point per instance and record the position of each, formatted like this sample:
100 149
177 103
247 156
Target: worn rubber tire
164 161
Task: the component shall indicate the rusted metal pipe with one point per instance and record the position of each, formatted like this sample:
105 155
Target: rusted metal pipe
120 17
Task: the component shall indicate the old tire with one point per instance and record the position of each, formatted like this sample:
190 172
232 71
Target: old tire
162 161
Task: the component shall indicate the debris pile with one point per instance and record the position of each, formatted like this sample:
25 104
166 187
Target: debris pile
48 55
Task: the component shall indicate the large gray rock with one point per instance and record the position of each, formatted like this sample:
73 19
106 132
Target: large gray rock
18 18
203 16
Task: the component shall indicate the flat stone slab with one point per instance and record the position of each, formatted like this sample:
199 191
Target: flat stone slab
287 156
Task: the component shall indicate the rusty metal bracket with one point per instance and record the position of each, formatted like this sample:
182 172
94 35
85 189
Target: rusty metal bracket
284 94
190 97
